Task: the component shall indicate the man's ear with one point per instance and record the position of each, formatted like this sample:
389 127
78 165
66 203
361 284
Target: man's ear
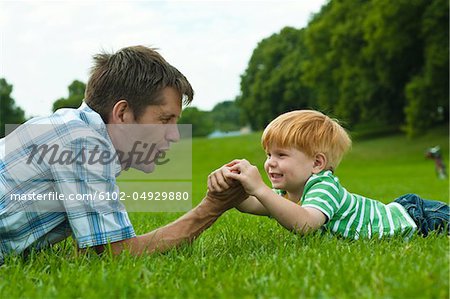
121 113
320 162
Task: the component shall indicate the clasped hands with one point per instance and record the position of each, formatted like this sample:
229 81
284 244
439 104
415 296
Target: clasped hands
232 183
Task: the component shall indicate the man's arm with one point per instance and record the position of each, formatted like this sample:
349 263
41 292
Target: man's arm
186 228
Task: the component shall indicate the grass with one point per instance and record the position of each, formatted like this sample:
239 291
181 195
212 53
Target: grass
248 256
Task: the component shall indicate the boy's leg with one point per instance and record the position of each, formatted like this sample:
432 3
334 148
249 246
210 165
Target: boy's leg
437 215
429 215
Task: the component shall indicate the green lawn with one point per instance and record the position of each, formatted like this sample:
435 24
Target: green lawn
249 256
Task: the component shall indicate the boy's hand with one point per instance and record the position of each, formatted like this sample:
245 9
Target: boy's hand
247 174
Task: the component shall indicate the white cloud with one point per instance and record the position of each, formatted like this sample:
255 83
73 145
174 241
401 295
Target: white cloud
47 45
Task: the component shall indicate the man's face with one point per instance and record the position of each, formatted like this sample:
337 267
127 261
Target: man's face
145 140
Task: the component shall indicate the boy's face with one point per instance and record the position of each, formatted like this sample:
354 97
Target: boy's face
288 169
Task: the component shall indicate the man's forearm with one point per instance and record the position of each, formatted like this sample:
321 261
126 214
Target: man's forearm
183 230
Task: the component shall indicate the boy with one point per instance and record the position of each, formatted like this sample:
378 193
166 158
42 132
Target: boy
303 149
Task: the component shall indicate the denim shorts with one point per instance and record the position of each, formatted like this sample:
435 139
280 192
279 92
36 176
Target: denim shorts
429 215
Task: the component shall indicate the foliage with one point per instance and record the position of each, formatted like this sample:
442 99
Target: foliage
201 121
9 112
368 62
226 116
427 92
272 84
76 96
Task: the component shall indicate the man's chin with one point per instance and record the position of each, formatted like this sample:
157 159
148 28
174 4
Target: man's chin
147 168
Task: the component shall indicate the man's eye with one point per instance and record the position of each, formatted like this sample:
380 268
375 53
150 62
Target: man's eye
165 120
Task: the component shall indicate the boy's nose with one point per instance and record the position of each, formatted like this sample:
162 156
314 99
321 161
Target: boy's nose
271 162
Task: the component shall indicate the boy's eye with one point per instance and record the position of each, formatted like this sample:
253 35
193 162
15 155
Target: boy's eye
165 120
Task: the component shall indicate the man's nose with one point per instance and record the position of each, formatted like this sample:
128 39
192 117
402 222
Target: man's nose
173 133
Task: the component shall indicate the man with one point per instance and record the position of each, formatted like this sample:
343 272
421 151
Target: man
132 88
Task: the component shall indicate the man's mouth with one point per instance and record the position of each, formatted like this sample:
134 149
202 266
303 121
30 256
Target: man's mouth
160 154
162 151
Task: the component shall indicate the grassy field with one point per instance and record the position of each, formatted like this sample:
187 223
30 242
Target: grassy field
248 256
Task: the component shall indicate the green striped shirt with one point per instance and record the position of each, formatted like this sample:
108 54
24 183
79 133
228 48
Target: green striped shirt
352 215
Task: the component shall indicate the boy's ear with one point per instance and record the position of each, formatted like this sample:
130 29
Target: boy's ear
320 162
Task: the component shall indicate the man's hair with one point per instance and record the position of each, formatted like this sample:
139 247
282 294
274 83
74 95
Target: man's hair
311 132
136 74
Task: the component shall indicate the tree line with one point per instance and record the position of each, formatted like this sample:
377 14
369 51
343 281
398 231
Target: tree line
375 65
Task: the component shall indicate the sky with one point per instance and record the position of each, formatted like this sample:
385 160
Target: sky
45 45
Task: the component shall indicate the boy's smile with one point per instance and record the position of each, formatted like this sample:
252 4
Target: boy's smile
288 169
275 177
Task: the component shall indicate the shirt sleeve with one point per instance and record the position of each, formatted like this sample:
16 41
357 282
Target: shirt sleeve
322 194
86 185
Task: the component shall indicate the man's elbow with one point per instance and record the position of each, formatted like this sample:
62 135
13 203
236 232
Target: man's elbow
115 248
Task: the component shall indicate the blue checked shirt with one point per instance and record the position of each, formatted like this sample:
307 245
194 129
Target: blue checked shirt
37 223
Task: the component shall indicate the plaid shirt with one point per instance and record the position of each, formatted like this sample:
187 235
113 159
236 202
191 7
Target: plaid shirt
37 224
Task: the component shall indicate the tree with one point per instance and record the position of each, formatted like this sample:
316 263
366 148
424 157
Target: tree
226 116
272 84
339 72
396 48
9 112
427 92
201 121
76 96
380 63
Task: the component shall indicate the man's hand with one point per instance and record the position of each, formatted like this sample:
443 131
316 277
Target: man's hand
227 199
218 181
226 193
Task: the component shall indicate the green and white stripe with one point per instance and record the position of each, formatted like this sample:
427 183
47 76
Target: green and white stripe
352 215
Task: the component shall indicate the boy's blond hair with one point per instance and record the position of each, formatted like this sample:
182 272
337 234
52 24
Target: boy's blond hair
308 131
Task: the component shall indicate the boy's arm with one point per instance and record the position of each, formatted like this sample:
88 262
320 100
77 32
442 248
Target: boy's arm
291 215
252 206
288 214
